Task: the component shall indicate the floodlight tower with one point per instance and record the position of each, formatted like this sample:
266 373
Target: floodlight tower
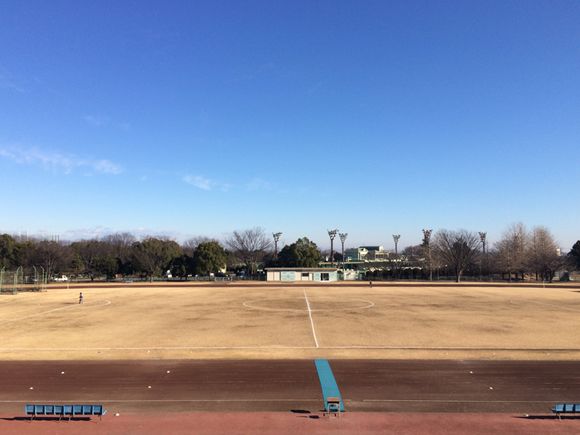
482 237
427 241
332 234
276 240
342 240
396 238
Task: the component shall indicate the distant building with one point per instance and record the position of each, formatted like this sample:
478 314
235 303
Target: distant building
367 253
317 274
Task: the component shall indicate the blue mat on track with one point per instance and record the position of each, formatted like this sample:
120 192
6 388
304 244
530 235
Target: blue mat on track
327 382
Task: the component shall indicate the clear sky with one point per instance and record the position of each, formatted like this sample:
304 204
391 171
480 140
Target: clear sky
375 117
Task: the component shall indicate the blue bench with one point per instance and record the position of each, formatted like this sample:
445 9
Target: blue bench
566 408
64 410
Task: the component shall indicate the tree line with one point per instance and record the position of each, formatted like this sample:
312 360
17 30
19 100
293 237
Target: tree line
519 253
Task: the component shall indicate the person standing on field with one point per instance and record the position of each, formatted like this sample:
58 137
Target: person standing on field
81 298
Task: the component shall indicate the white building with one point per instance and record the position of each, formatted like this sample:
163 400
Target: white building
317 274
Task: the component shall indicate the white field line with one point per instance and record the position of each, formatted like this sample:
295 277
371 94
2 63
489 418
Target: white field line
282 347
454 401
311 320
106 302
166 400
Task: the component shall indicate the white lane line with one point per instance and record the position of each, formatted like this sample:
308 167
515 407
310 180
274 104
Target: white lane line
82 349
455 401
282 347
167 400
68 307
311 320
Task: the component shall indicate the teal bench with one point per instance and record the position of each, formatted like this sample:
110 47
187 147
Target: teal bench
566 408
61 411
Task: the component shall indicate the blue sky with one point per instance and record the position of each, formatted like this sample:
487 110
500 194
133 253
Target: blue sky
375 117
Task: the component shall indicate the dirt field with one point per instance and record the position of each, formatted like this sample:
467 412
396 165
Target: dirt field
293 321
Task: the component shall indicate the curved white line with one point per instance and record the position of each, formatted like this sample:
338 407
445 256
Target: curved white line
251 305
107 302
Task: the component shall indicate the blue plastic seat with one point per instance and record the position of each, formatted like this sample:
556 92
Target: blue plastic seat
49 409
39 409
29 409
67 410
559 407
577 407
87 409
97 409
569 407
58 409
77 409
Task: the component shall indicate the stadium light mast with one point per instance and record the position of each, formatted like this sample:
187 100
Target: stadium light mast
332 234
427 241
343 237
276 240
396 238
482 237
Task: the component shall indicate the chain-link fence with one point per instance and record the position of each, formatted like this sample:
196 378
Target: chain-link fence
22 280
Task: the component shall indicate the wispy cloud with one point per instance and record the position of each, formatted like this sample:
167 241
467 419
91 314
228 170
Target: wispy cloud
258 184
104 121
199 182
96 121
204 183
57 161
7 82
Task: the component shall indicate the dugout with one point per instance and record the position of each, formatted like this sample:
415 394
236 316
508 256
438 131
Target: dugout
316 274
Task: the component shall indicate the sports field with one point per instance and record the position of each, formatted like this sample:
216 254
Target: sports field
261 320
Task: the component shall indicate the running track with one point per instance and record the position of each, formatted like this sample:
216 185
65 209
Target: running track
530 387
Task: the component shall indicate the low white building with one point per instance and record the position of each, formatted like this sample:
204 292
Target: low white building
316 274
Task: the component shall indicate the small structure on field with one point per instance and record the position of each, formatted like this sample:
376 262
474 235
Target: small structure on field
316 274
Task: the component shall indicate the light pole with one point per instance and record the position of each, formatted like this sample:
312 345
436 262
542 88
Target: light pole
276 240
342 240
482 237
396 238
427 241
332 234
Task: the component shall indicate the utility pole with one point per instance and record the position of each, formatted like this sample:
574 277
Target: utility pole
332 234
427 242
276 240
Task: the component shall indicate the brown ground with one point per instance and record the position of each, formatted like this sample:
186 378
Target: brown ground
285 397
260 320
125 338
201 423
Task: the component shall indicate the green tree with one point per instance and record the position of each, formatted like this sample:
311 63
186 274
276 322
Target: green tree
8 252
209 257
153 256
107 265
302 253
182 266
574 255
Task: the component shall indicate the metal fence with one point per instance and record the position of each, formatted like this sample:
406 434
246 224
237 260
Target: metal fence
22 280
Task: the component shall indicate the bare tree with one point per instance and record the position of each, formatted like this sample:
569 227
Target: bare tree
542 254
456 249
190 245
510 251
249 246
